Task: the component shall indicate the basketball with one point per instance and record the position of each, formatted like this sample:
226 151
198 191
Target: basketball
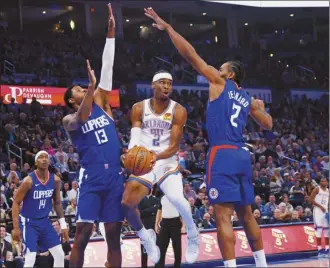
137 161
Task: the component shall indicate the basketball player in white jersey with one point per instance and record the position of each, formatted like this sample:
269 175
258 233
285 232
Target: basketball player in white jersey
320 200
157 124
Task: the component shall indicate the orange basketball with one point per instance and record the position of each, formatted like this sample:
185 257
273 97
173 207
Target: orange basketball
138 161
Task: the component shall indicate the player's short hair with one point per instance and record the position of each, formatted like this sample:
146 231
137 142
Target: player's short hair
237 68
68 96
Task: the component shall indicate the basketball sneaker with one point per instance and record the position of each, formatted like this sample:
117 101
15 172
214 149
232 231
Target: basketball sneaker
192 250
321 253
151 247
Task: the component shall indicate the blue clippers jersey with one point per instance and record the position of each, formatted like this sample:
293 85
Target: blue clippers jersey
37 202
226 116
97 140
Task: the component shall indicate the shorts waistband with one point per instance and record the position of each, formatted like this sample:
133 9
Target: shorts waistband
101 166
224 143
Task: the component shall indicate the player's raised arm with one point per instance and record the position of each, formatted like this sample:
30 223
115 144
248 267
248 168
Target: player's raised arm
186 49
136 119
22 190
59 209
312 199
71 121
179 120
105 85
260 115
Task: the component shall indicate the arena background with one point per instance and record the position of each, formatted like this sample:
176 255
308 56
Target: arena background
44 45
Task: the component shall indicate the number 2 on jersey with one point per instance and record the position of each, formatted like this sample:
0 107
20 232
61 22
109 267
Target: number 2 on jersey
237 110
101 136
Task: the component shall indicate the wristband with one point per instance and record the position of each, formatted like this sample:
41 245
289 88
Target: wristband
63 224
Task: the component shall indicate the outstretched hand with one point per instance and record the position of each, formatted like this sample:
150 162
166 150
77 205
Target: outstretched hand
160 24
111 22
91 76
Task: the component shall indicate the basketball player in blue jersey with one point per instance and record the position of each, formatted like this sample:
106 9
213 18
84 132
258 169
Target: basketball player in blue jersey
229 171
93 132
36 192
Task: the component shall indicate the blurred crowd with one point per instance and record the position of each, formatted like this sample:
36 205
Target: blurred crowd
59 58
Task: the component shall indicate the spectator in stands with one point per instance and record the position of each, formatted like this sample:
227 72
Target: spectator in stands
13 174
126 229
258 205
71 209
297 193
72 194
26 170
3 157
188 192
60 155
199 200
207 222
276 217
257 216
308 215
74 156
204 208
300 211
270 206
289 207
295 217
6 250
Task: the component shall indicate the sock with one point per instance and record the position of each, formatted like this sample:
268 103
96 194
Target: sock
230 263
327 247
260 258
173 189
319 248
143 234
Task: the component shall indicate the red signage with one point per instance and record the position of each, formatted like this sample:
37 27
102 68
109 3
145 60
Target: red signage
45 95
280 239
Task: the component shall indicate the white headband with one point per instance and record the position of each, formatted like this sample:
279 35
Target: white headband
162 76
38 154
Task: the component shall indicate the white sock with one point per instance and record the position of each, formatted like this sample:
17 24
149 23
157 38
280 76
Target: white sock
326 247
260 258
319 248
172 187
143 234
230 263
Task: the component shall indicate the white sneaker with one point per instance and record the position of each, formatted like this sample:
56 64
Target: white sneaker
192 250
151 247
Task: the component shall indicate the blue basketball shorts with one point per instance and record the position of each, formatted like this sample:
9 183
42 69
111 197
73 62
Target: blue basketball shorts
229 175
38 233
100 194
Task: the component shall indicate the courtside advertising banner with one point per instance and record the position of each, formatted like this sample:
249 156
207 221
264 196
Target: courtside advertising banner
277 240
145 90
45 95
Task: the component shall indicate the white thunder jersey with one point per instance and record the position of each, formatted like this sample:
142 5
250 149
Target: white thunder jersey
156 128
322 198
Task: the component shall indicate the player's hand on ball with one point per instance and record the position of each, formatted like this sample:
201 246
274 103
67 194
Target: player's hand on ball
16 234
153 160
160 24
91 77
65 235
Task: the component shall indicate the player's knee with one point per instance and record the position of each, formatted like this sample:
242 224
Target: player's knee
128 203
326 233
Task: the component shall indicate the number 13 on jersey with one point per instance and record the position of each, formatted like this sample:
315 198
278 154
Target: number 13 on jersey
101 136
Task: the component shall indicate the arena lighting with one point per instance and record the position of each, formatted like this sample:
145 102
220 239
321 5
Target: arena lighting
271 55
291 15
246 24
275 3
204 14
141 27
44 12
191 24
127 20
72 24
